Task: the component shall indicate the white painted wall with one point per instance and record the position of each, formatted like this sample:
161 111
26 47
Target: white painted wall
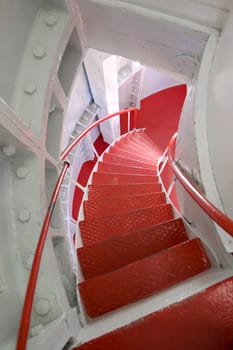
211 13
154 81
153 38
220 117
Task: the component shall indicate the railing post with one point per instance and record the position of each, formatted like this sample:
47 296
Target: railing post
133 119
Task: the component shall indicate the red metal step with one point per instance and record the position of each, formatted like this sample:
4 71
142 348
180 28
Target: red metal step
143 278
132 155
96 230
143 137
140 151
114 253
108 206
123 169
110 191
141 140
111 158
201 322
136 143
115 179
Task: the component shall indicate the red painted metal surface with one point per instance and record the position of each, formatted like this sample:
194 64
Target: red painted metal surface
107 167
201 322
108 206
115 179
96 230
111 158
114 253
143 278
30 292
133 149
137 143
132 155
110 191
220 218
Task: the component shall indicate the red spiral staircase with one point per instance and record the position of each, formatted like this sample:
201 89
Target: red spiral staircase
135 247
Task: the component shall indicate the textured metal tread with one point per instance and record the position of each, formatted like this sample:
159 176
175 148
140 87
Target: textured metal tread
115 178
111 158
107 206
143 278
138 144
110 191
96 230
132 155
201 322
136 150
124 169
117 252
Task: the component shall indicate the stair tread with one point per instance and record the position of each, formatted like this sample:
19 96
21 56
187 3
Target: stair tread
114 253
96 230
107 206
136 144
132 155
203 321
108 190
143 278
116 178
123 160
121 168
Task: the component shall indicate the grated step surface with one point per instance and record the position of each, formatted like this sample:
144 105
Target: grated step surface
143 278
115 178
113 191
117 252
108 206
96 230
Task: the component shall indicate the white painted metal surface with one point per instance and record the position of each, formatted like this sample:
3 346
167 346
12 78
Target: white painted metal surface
42 49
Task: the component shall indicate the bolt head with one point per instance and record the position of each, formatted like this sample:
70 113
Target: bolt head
42 307
21 172
39 52
24 215
30 87
51 20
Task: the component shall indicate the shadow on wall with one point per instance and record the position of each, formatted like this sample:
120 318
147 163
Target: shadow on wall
160 114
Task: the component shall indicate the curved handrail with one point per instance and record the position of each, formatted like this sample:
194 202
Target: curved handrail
32 281
30 292
211 210
92 126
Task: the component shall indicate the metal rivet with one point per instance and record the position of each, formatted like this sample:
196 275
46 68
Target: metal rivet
51 21
42 307
21 172
8 150
39 52
24 215
36 330
28 261
30 87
